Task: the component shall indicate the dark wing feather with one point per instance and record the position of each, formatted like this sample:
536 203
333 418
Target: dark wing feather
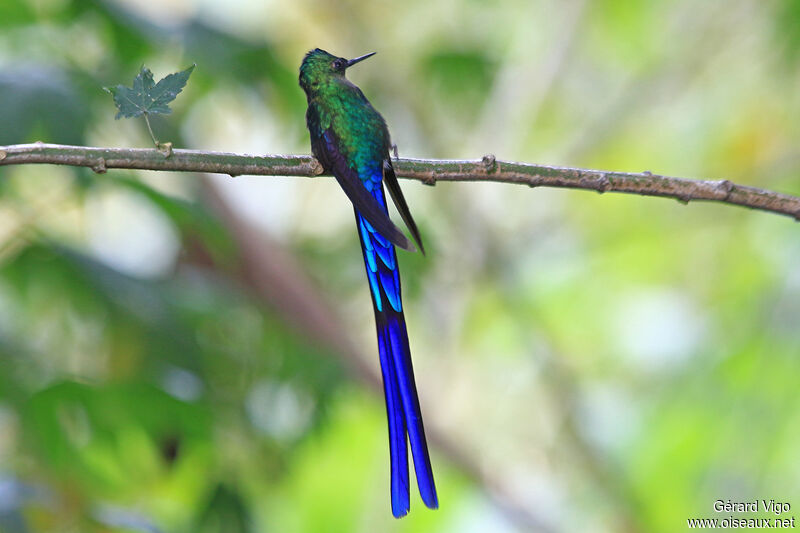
324 148
390 179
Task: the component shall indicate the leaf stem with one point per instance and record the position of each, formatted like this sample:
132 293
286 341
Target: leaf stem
147 121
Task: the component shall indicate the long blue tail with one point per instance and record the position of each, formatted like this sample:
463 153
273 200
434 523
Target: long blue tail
402 404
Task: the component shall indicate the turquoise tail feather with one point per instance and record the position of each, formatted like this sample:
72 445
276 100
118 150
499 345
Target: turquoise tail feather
402 403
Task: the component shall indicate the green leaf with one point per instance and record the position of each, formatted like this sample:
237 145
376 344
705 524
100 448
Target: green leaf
146 96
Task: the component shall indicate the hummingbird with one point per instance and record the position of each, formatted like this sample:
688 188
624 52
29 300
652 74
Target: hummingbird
351 141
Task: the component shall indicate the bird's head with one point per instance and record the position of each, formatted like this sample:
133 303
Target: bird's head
320 67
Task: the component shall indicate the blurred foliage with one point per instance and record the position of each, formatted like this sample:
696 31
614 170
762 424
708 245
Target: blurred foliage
788 28
610 363
41 103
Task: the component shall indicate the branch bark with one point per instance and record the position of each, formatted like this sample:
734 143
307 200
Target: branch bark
427 171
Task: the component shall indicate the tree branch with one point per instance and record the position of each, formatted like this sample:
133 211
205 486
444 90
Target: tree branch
427 171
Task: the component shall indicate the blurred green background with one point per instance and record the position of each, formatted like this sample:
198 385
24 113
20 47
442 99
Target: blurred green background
185 353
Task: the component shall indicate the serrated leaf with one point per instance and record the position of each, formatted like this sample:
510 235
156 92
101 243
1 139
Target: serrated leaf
146 96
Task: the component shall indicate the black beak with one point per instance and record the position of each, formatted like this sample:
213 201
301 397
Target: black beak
352 62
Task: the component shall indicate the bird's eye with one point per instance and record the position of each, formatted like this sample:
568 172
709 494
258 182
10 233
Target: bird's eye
338 64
